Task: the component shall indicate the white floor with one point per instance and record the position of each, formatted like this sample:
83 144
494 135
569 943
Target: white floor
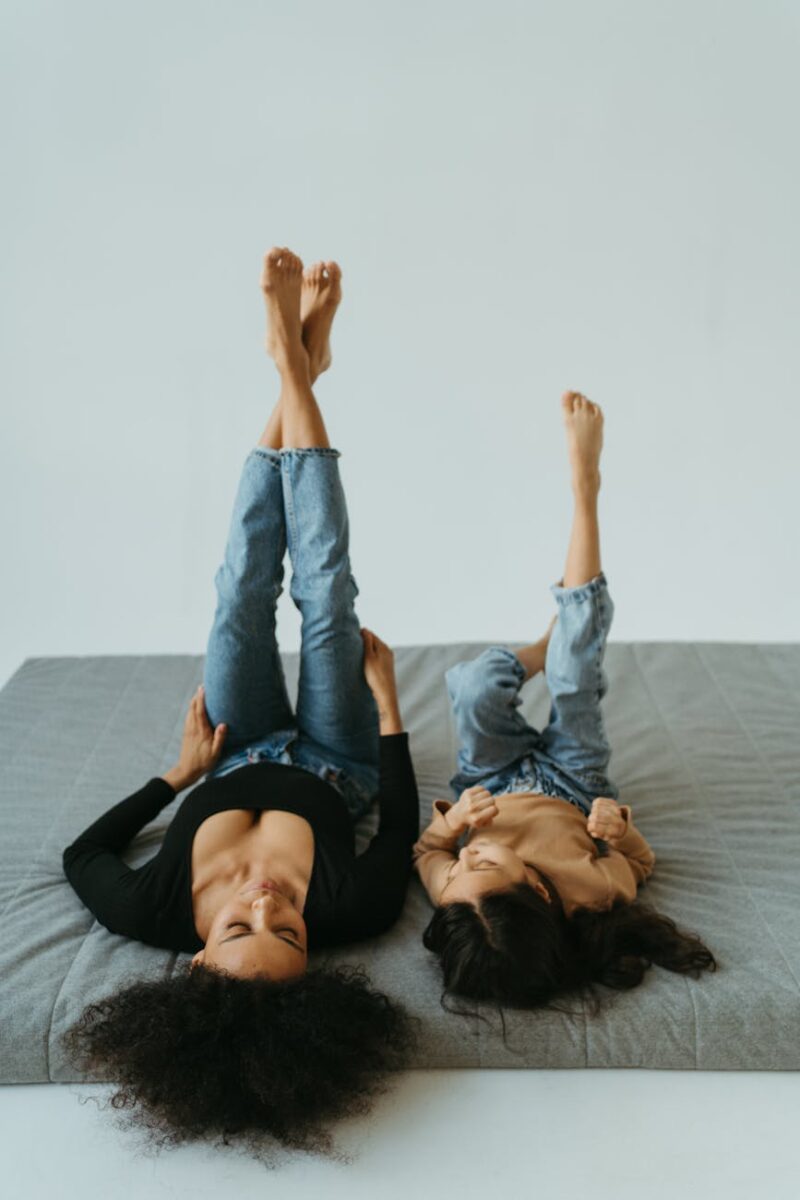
554 1134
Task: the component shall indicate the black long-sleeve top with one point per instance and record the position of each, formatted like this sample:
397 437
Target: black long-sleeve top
349 897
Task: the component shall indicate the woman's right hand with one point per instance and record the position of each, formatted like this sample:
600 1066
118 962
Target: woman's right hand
379 668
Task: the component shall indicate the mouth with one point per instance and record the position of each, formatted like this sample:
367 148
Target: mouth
266 885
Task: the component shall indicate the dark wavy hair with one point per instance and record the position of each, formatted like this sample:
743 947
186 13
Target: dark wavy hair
514 948
255 1063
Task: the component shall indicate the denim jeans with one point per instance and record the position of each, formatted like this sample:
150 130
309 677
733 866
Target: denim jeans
293 498
499 750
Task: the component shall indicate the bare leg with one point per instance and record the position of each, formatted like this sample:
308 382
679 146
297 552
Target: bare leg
320 296
273 430
303 425
584 425
532 657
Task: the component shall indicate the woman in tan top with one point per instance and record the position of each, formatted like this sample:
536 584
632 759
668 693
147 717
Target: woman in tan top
539 901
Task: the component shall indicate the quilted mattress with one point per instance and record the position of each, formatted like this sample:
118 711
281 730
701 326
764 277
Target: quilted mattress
705 750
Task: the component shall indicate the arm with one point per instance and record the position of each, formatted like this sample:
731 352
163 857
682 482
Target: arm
634 846
434 852
92 864
380 875
613 822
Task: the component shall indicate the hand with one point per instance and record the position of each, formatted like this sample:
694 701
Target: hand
202 743
474 808
605 820
379 668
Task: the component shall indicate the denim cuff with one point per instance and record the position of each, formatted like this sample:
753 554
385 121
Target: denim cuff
275 455
582 592
267 452
515 664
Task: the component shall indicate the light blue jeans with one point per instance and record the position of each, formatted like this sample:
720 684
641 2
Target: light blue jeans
499 750
293 498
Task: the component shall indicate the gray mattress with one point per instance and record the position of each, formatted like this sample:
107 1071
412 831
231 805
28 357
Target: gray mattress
705 749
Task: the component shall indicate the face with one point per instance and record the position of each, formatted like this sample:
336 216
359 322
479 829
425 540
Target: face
257 932
486 866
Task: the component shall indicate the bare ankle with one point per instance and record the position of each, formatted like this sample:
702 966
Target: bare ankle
294 365
585 488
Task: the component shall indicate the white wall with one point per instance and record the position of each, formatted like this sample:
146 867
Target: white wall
523 198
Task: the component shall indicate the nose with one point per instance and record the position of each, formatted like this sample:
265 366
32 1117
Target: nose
264 901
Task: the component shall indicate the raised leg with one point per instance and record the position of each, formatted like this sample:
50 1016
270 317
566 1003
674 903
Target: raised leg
320 296
243 673
335 707
336 711
533 656
583 422
490 730
575 736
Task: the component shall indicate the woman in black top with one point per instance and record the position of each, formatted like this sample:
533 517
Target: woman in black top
258 864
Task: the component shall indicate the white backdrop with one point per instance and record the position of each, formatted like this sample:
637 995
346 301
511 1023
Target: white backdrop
523 198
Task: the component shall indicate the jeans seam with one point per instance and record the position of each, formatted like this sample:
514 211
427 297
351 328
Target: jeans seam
582 591
516 665
321 451
267 455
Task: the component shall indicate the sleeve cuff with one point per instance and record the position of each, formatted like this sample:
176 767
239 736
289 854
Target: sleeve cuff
159 784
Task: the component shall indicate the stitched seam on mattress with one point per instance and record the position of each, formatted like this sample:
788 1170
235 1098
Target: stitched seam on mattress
760 647
585 1032
696 1024
756 752
181 718
716 828
55 1006
33 730
94 921
37 859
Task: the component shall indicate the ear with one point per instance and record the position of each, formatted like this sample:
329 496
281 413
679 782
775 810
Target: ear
198 958
542 890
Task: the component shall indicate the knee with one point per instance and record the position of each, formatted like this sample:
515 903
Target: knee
331 590
474 683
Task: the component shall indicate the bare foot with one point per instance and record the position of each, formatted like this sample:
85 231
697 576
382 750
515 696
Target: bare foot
281 282
322 291
584 424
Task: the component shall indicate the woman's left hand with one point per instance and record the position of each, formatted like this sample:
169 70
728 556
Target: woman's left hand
202 743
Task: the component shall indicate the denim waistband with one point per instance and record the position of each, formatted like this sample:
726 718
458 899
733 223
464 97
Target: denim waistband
284 746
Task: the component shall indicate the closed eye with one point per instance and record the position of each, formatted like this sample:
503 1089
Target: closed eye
451 878
249 933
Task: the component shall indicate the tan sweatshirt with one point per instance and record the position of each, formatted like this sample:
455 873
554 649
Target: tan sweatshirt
551 834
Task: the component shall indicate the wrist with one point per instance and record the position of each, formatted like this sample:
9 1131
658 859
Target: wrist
178 778
452 821
389 714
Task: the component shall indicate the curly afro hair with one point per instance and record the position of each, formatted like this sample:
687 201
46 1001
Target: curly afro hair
252 1062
